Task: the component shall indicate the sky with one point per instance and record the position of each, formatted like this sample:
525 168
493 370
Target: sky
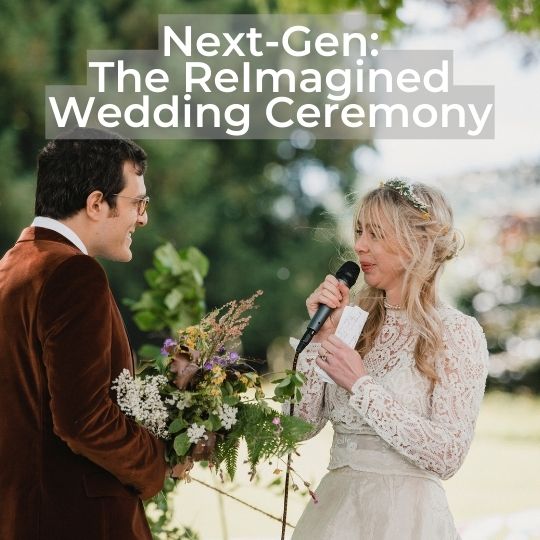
485 55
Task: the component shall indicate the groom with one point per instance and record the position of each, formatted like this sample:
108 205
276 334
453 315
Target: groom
72 465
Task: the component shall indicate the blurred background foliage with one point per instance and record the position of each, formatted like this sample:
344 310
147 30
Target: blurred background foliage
504 295
263 212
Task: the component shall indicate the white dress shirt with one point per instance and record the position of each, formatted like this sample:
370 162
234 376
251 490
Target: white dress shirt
60 228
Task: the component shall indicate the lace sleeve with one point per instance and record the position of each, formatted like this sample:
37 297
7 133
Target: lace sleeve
311 406
438 443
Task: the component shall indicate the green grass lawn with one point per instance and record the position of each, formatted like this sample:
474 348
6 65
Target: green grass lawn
501 475
502 471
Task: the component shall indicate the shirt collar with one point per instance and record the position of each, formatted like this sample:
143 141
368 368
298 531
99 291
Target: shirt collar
60 228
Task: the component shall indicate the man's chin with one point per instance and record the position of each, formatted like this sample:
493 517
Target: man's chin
125 256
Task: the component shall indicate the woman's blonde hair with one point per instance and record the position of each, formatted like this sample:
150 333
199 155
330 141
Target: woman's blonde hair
424 241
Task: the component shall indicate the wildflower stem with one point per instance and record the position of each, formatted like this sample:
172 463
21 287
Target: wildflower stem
240 501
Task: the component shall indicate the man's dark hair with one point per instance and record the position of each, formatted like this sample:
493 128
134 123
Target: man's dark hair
78 163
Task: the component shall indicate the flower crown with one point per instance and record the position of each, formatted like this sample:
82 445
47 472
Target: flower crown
406 191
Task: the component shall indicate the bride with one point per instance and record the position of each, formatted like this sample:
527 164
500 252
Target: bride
405 402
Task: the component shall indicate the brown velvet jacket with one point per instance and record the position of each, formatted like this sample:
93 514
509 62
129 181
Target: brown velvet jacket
72 465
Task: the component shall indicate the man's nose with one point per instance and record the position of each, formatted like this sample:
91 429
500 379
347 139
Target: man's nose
142 220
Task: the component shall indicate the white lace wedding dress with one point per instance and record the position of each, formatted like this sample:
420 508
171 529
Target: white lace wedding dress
395 436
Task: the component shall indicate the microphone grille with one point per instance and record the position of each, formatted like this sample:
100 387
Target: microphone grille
348 273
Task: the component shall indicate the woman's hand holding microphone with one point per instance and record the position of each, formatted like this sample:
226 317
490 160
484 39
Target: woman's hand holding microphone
342 363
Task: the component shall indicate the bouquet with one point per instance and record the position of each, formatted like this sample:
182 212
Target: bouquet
202 397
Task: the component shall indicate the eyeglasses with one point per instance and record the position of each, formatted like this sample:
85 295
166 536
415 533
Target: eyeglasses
142 202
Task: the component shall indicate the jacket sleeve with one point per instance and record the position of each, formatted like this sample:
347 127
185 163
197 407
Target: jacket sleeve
438 443
75 330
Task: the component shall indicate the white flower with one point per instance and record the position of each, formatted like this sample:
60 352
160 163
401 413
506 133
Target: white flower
140 399
183 401
195 433
227 415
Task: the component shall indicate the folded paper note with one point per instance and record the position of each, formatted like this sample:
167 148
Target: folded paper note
348 330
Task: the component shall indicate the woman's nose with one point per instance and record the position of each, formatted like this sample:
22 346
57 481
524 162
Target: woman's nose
360 244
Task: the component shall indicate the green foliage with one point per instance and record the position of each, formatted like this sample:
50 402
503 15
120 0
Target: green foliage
504 295
181 444
227 452
288 387
387 11
220 396
179 275
520 15
175 297
225 196
258 427
221 196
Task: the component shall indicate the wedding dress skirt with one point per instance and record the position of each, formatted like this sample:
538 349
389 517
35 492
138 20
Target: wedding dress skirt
373 493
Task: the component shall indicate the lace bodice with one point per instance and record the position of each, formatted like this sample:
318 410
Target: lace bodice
430 425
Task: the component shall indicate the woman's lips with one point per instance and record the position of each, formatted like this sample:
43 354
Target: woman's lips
366 267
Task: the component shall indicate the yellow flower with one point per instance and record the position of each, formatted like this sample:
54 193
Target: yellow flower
218 374
192 336
219 380
242 378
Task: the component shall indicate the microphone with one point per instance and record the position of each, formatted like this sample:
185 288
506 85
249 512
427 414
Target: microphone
347 274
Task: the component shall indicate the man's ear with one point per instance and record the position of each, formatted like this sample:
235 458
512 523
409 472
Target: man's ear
96 205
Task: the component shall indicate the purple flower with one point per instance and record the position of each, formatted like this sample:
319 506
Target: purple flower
208 366
167 347
233 356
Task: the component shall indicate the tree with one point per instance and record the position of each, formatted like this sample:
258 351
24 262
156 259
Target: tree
241 202
244 203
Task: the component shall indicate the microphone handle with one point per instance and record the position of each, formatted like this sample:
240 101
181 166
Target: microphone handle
304 342
319 318
322 313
